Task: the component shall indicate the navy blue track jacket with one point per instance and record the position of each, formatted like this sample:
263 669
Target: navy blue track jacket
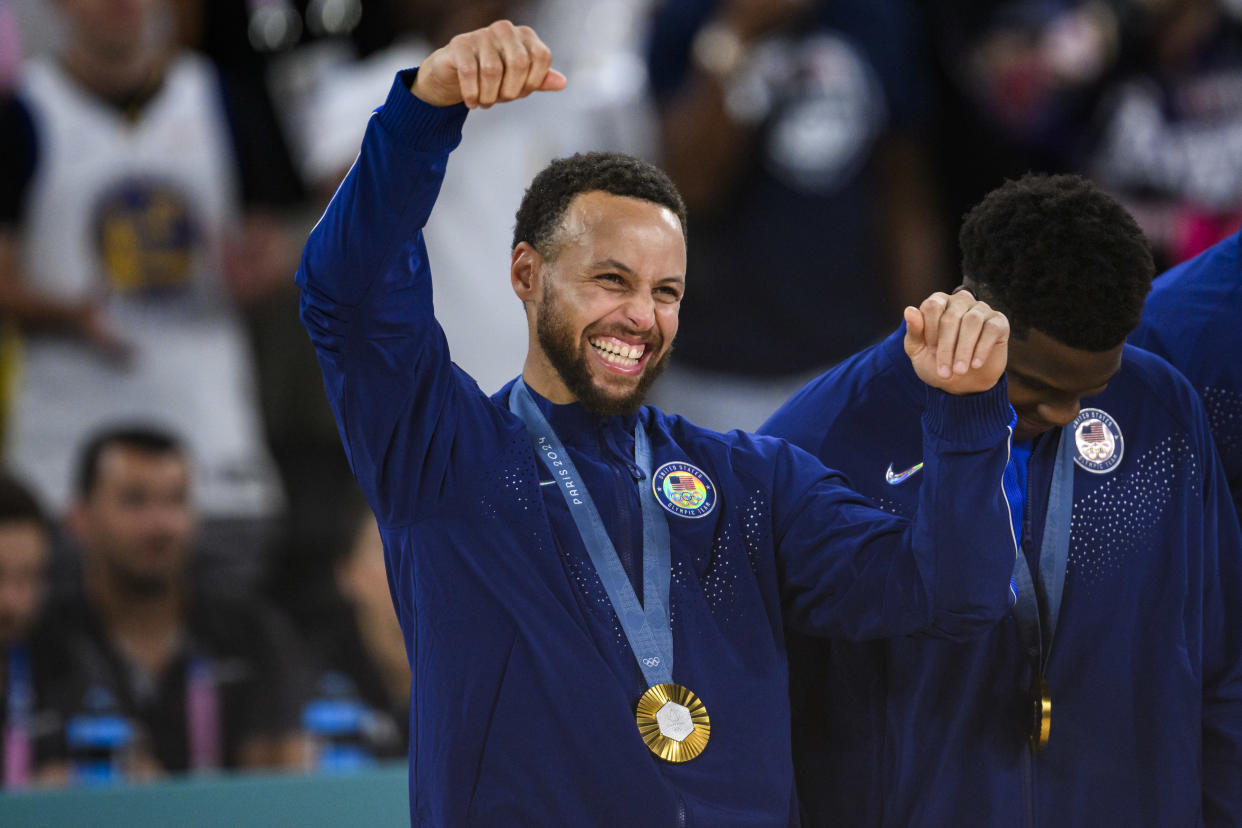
1145 667
522 707
1192 319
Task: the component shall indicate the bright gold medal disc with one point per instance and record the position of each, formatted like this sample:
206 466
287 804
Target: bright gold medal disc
673 722
1041 720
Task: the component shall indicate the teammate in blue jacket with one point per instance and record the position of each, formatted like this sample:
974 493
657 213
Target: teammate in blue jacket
552 549
1111 695
1191 319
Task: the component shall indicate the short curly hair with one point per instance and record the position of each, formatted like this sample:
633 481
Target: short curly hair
550 193
1057 254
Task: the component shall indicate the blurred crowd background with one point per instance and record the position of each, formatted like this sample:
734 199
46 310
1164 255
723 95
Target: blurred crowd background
188 578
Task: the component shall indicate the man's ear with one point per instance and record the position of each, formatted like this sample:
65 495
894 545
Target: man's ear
525 270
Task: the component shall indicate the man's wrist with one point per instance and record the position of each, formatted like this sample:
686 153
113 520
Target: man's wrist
425 127
969 418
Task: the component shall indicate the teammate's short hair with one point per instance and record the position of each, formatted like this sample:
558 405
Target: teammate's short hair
18 504
1057 254
550 193
140 438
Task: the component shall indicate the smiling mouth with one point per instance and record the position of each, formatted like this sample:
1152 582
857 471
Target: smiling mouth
622 356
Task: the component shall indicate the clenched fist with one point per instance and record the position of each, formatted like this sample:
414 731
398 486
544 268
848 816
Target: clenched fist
957 343
500 63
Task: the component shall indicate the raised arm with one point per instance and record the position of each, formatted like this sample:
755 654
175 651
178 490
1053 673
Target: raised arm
366 282
849 569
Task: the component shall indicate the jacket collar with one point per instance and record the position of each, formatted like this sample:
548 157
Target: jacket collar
574 424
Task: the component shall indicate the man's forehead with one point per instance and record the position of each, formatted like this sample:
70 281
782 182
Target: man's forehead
1040 357
598 211
127 464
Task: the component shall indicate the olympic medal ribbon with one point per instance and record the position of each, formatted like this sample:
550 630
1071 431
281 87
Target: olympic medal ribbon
1039 603
646 626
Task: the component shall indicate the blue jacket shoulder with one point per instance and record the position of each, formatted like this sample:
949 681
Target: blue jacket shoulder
873 380
1166 389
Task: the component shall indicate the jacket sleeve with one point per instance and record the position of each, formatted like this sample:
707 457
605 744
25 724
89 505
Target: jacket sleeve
366 300
850 570
1222 649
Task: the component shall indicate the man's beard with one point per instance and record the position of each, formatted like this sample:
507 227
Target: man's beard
139 585
564 351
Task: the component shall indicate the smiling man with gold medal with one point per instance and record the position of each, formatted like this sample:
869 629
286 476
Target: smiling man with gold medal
593 593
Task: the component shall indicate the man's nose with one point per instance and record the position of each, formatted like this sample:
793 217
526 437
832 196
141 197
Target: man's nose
640 311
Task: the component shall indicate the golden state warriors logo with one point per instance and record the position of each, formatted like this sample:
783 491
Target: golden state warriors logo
684 490
147 236
1097 441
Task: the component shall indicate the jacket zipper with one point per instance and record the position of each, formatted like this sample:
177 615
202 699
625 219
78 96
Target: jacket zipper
624 474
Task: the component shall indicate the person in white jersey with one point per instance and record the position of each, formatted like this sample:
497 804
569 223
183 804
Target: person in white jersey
119 201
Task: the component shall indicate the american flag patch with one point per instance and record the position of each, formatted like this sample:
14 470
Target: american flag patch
1097 440
1093 432
684 490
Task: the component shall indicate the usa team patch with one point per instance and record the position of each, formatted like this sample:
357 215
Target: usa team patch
1097 441
684 490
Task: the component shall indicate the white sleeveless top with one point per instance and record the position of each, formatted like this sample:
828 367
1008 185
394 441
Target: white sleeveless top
135 215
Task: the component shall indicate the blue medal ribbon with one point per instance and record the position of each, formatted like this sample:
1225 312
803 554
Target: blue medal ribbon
646 625
1038 606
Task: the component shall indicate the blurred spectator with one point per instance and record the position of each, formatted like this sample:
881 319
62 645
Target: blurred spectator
1142 96
182 677
361 712
31 733
122 250
1029 68
793 130
1167 133
1019 79
248 43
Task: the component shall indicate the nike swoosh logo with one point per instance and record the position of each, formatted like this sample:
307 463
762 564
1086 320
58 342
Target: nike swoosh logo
893 478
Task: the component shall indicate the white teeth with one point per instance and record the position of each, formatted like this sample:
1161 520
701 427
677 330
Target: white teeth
618 353
629 352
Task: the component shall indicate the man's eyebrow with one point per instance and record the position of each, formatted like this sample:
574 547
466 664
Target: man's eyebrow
611 264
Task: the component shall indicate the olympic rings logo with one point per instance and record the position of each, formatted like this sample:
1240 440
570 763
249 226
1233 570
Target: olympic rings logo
654 661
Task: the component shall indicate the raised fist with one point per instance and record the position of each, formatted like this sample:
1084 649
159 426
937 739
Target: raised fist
500 63
957 343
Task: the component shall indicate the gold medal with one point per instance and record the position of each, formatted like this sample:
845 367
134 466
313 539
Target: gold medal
673 722
1041 721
